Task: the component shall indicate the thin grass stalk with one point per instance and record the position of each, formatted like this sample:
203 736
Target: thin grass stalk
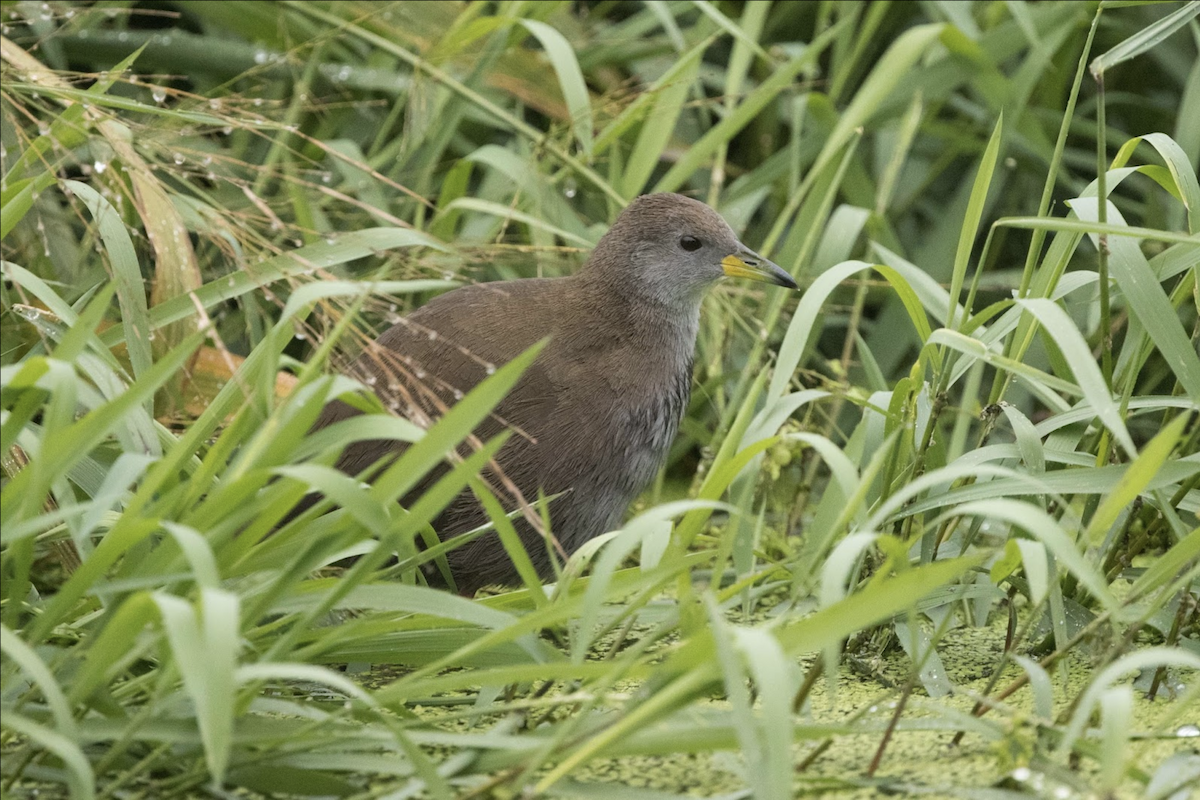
1002 380
1187 608
1102 245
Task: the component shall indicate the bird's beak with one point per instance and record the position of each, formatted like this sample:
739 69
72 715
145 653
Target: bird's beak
746 263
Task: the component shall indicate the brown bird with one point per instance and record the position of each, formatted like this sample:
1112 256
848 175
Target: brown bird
597 411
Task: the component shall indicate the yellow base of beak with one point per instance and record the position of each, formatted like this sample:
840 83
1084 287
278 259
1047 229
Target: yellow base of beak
756 268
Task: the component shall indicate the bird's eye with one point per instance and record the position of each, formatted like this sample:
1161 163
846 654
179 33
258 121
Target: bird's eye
689 243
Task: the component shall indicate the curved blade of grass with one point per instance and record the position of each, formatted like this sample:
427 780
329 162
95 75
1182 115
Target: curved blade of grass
918 646
1042 384
511 541
57 306
204 643
80 776
1037 568
1116 725
310 293
307 673
718 480
1183 174
111 649
975 206
775 678
808 312
175 269
1146 298
630 537
34 671
1093 226
346 491
1150 36
1151 656
522 169
1047 530
1082 414
879 86
127 275
506 213
1039 681
841 468
18 200
736 694
837 568
766 742
1096 480
1028 442
1171 564
768 421
1087 374
198 553
570 79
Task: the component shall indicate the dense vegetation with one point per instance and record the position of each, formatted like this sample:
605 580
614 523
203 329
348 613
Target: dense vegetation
929 528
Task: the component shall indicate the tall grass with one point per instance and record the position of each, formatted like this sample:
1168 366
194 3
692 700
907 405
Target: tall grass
941 509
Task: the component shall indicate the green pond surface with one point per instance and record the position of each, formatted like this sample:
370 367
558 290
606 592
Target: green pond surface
915 762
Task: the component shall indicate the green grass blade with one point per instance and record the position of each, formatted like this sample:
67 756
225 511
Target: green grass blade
570 79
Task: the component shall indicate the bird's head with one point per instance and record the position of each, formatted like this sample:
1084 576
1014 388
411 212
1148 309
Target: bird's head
671 248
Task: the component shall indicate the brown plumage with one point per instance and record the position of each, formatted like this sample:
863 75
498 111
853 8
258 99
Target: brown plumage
597 411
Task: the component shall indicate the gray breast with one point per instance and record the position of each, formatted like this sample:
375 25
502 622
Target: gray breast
644 429
639 435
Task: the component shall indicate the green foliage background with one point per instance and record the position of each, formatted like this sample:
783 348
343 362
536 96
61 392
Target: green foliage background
974 437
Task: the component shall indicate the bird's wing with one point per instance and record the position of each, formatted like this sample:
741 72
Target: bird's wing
440 352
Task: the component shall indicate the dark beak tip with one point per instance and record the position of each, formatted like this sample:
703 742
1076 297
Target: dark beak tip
782 278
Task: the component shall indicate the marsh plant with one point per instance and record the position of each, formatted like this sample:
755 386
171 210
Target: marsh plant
929 527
